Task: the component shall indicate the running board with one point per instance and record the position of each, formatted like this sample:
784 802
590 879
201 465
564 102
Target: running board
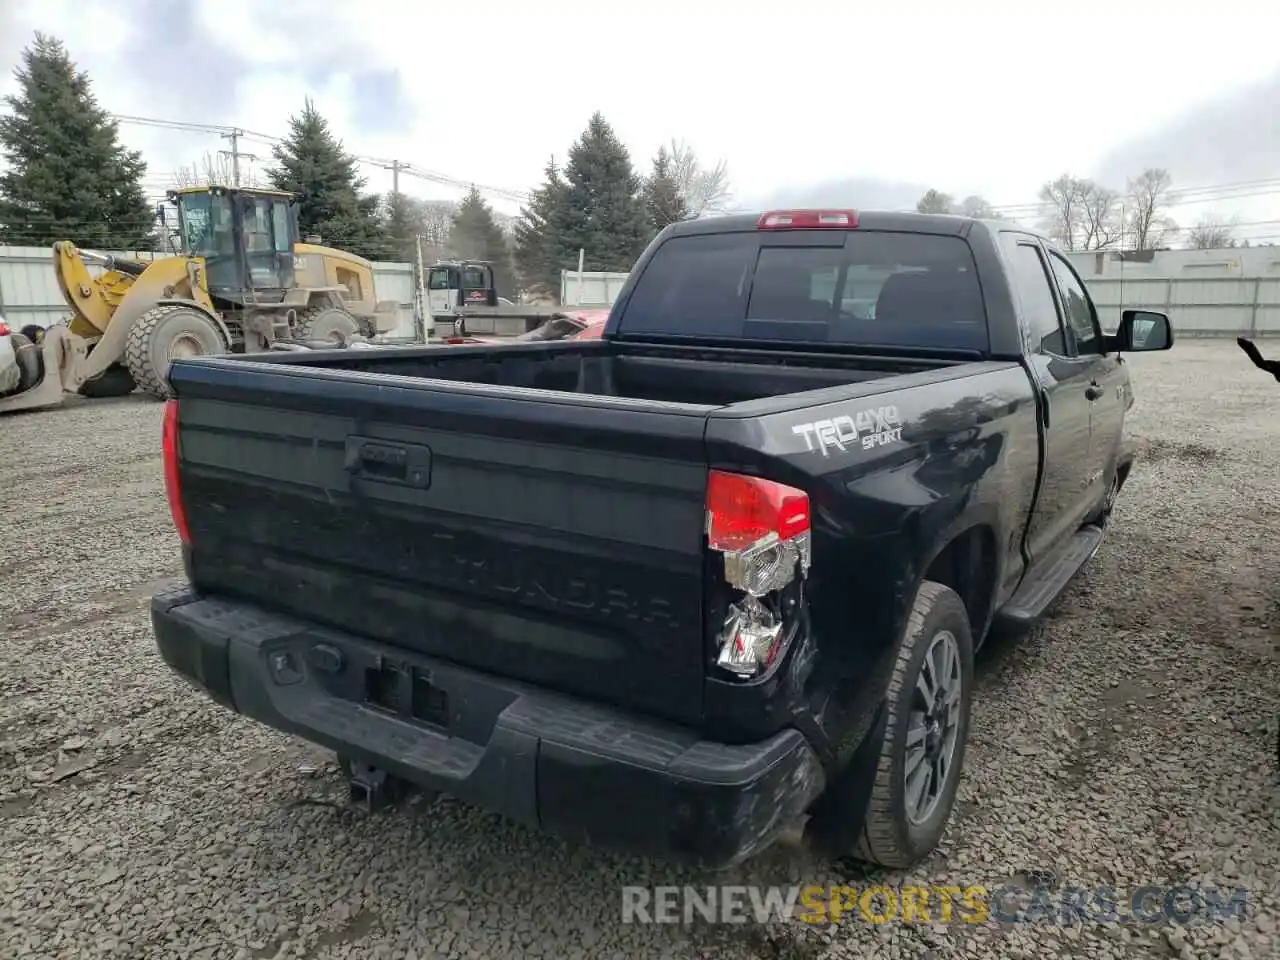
1043 586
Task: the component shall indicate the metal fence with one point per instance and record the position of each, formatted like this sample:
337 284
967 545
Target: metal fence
1197 306
597 289
29 290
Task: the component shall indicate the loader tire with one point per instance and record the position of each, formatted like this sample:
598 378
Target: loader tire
329 324
164 333
115 381
30 362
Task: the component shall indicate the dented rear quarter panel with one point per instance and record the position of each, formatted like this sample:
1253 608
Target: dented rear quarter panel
964 452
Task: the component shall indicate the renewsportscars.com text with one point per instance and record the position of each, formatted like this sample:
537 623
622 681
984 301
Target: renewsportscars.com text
930 904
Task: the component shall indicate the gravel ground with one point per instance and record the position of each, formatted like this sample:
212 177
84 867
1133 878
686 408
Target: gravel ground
1127 742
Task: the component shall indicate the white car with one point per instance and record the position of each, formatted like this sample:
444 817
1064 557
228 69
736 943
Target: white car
10 372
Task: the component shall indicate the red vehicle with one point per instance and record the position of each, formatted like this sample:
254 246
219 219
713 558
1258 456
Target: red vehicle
568 325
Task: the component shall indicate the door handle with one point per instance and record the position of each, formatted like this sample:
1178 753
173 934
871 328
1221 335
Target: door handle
1093 391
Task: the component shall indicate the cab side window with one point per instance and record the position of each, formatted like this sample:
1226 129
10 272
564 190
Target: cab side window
1082 319
1035 292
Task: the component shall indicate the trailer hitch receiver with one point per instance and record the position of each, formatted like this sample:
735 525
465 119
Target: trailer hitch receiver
372 788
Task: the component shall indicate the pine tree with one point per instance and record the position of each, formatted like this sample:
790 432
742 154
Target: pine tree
663 201
398 214
312 164
67 177
603 212
537 234
475 235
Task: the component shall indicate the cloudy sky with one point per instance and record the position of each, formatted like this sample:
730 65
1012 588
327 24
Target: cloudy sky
808 101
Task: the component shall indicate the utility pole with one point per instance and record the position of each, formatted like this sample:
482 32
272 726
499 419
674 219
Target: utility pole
426 322
395 166
234 137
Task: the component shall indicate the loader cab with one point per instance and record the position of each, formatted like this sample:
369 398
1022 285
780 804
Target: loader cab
246 238
455 284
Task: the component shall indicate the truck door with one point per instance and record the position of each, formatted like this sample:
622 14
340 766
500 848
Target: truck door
1063 382
442 289
1108 378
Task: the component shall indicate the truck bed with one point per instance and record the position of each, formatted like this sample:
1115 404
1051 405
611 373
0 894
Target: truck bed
533 511
705 377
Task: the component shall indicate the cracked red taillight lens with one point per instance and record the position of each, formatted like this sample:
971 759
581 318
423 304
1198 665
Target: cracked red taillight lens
762 529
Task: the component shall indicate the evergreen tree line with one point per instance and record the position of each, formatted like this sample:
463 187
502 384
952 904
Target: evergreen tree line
598 206
67 176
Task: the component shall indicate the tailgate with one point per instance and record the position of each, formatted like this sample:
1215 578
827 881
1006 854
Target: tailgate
547 537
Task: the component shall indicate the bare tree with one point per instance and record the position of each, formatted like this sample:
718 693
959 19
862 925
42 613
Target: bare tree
706 191
1149 226
1212 233
1101 222
435 220
977 207
208 171
1067 197
935 201
212 171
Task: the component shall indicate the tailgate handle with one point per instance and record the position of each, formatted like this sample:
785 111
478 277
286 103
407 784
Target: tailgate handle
406 464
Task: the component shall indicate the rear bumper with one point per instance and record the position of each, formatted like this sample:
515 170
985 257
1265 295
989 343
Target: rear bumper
569 766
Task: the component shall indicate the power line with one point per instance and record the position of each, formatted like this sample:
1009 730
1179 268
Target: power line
395 166
1241 190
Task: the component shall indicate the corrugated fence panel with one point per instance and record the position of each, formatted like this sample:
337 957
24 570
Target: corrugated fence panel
1212 306
1198 306
29 290
1206 307
1267 320
598 289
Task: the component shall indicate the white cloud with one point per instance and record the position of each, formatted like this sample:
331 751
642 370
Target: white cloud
990 97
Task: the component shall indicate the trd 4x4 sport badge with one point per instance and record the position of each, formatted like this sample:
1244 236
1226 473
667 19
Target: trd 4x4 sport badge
866 428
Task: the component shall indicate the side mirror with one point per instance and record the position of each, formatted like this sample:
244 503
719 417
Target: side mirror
1143 331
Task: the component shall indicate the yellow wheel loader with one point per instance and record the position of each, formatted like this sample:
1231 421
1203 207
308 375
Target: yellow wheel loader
242 283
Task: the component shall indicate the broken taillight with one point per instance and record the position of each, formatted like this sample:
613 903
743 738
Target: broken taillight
762 529
172 486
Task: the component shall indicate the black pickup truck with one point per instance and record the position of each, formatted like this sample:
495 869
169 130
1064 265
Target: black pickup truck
680 589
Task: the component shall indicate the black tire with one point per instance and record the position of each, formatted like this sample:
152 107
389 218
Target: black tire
889 838
115 381
160 334
1103 515
30 358
11 374
328 323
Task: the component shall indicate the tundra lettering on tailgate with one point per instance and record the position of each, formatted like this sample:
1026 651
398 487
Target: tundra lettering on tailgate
869 428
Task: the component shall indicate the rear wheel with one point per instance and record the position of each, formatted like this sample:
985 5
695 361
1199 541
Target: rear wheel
1109 504
922 753
164 334
327 324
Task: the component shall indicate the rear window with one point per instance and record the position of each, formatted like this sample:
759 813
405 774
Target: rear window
857 288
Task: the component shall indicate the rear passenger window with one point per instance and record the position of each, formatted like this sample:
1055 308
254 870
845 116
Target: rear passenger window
1080 318
856 287
1035 291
